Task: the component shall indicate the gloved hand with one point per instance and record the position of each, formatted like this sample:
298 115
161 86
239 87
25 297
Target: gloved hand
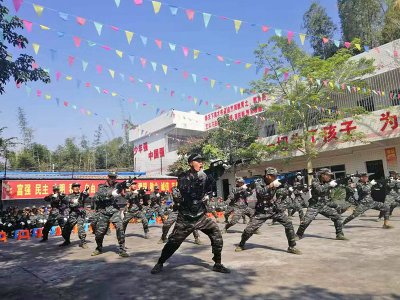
135 193
54 195
291 189
332 183
276 183
158 195
373 182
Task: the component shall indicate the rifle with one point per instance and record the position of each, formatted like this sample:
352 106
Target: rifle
121 186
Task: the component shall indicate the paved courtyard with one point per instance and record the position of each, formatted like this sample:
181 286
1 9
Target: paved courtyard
365 267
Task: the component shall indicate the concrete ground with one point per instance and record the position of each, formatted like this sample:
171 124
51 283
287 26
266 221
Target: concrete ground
365 267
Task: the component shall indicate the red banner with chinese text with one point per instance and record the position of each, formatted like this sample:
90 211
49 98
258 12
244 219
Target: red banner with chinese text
38 189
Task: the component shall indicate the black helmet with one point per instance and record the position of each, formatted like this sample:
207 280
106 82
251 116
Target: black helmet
195 157
76 184
112 174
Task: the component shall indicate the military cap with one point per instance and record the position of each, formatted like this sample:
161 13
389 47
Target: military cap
112 174
56 187
271 171
76 184
363 174
239 179
195 157
324 171
392 172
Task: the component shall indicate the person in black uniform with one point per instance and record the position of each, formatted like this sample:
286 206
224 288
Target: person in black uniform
194 186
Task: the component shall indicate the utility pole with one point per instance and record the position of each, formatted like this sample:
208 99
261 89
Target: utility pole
161 164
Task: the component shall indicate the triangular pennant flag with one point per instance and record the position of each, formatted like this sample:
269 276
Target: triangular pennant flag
138 2
190 14
58 75
77 41
91 44
71 60
36 48
285 75
347 45
99 69
143 62
60 34
248 65
144 40
206 18
220 58
172 46
194 76
237 23
154 65
358 46
165 68
158 43
27 25
264 28
47 97
195 100
17 4
337 43
112 73
65 103
325 40
290 35
156 6
122 76
173 9
185 74
241 91
68 78
302 37
44 27
129 36
117 2
278 32
132 59
81 21
185 51
114 94
38 9
157 87
195 53
97 89
212 83
63 16
119 53
98 26
235 89
58 101
148 85
84 65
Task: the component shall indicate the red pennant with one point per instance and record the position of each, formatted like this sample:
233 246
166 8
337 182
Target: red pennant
35 65
131 79
190 14
347 45
80 20
77 41
325 40
38 93
105 47
65 103
17 4
87 84
143 61
58 75
185 74
172 93
290 35
159 43
264 28
266 70
185 51
138 2
115 28
99 69
71 60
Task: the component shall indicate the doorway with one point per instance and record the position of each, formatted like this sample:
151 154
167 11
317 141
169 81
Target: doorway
376 167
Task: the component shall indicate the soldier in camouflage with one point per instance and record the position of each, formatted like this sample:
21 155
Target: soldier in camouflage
134 209
270 205
365 201
391 186
321 188
296 197
77 215
171 214
56 216
194 186
108 211
238 200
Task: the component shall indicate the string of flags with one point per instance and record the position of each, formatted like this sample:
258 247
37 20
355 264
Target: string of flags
144 62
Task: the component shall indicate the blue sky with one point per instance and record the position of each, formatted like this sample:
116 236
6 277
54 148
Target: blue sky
53 123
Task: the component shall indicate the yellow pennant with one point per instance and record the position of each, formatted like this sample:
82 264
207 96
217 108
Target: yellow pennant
331 84
36 48
44 27
296 77
48 97
114 94
195 53
156 6
302 38
358 46
112 73
241 91
119 53
38 9
238 23
68 78
157 88
129 36
165 68
248 65
212 82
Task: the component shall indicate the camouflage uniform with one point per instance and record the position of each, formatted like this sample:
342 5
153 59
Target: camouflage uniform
77 215
238 200
108 211
319 204
392 195
270 205
135 210
295 199
57 214
211 207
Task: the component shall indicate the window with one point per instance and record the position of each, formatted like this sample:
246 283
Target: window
174 142
270 130
367 103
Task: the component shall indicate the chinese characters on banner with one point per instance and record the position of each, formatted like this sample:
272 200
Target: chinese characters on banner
38 189
156 153
391 158
236 111
141 148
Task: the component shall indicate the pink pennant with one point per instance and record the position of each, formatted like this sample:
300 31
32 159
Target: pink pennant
143 61
105 47
325 82
35 65
185 74
115 28
238 62
17 4
264 28
286 75
131 79
81 21
99 69
185 51
18 84
71 60
148 85
77 41
28 25
106 92
205 78
206 103
347 45
38 93
130 100
190 14
228 86
266 70
290 35
87 84
65 103
138 2
58 75
325 40
220 58
172 93
159 43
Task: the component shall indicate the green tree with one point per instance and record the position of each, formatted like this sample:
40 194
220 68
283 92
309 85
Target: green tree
20 69
318 25
362 19
391 27
26 131
6 147
300 101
